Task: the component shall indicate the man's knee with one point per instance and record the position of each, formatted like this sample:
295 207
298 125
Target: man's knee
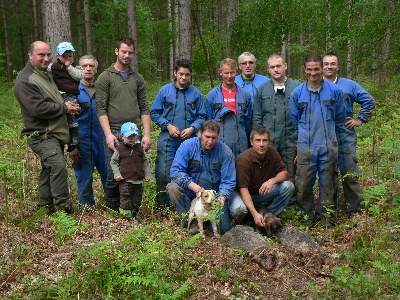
174 192
288 186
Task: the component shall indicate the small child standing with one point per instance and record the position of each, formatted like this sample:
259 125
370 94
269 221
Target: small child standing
67 76
130 166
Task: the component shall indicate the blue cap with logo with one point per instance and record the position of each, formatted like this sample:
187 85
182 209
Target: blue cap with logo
64 46
129 128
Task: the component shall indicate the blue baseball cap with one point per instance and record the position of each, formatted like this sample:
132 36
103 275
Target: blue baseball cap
129 128
64 46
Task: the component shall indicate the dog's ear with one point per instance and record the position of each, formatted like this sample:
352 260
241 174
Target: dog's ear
198 195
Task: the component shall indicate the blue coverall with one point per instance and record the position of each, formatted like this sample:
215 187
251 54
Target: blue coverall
347 142
234 128
212 170
182 108
251 86
91 148
317 115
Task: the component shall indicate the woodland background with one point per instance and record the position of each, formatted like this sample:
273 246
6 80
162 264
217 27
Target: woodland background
364 33
100 255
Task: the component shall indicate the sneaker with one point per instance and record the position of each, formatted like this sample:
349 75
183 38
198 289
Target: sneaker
194 228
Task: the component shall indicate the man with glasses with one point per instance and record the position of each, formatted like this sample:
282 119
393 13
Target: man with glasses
271 109
347 137
248 79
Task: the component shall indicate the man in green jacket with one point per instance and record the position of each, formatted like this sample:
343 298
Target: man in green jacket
45 124
121 97
271 109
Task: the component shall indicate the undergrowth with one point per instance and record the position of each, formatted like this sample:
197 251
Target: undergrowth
152 261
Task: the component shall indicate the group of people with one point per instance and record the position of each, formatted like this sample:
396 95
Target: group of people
254 140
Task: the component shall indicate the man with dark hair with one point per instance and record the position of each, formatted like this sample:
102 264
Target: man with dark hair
271 109
347 137
261 179
178 110
45 124
248 78
316 110
90 152
202 162
121 97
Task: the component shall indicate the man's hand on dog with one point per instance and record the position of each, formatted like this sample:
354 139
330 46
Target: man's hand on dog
259 220
195 187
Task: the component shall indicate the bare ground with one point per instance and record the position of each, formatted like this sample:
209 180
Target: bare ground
33 253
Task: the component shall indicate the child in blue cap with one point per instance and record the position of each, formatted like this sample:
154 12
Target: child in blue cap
130 166
67 76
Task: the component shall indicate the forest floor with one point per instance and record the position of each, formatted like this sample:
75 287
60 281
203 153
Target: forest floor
239 276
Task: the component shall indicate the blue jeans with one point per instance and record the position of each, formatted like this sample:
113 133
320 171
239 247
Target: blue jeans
277 198
182 200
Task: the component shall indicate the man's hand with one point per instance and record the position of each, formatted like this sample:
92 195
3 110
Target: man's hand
195 187
111 141
73 108
259 219
74 154
146 142
351 123
266 187
222 200
118 178
173 130
187 133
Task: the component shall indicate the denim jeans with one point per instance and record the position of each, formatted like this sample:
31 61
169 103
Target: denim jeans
277 199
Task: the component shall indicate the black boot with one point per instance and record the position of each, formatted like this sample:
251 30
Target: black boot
74 141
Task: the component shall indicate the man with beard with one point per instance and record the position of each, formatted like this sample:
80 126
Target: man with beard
121 97
261 179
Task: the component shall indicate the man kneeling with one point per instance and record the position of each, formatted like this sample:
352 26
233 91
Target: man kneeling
261 178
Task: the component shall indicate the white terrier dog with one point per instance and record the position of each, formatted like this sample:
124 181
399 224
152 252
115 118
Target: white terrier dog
201 208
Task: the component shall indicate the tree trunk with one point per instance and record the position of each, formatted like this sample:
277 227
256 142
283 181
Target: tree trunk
230 16
328 36
21 43
132 24
7 44
35 21
177 33
171 43
185 26
88 28
79 48
386 45
349 41
57 22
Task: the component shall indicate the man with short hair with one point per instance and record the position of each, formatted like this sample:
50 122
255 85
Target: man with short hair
271 109
121 97
231 107
45 125
261 179
347 137
249 79
90 152
179 111
203 162
317 111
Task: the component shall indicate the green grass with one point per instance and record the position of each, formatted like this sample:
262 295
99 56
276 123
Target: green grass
153 261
